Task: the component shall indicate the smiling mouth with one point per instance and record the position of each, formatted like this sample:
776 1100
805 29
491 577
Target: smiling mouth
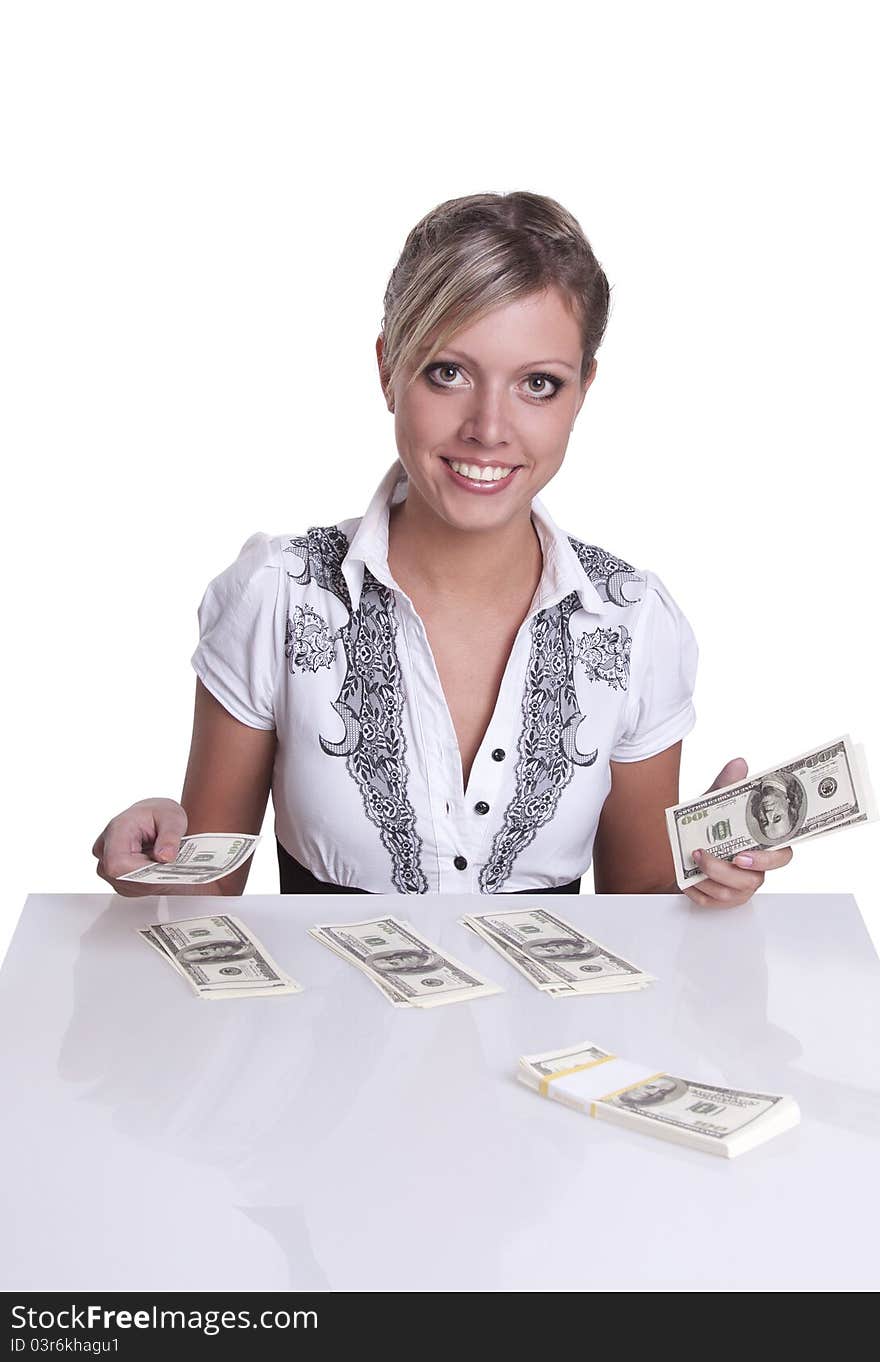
481 475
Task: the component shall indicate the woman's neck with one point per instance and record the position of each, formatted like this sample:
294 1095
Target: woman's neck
426 553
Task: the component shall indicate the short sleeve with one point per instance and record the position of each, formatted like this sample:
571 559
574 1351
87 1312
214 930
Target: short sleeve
663 671
239 646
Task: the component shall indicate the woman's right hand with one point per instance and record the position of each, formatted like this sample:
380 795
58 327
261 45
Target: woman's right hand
143 834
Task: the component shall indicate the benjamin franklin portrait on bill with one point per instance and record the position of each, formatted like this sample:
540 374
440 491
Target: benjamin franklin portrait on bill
560 948
656 1093
776 809
405 960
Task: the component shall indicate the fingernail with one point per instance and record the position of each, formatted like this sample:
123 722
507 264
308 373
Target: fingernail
696 855
166 851
744 859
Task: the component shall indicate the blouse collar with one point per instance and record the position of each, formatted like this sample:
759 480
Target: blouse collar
562 572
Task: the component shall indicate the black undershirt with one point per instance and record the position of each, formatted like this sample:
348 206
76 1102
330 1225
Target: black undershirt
295 879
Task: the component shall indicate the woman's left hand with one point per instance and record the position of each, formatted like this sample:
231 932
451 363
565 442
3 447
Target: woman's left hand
729 884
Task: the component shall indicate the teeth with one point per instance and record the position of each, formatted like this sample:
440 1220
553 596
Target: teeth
477 474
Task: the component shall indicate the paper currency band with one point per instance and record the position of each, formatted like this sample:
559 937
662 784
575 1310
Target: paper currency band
575 1069
606 1097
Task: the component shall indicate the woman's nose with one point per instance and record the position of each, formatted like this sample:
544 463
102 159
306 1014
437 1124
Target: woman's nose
488 418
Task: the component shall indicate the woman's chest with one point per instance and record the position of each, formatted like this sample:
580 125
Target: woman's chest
471 652
445 677
452 736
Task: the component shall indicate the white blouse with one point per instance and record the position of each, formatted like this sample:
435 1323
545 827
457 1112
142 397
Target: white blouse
311 636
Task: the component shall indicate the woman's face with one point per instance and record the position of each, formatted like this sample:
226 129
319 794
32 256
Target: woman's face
498 402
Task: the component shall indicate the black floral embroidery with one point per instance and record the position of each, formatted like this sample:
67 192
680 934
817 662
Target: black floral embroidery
309 642
608 574
547 750
604 655
322 551
370 702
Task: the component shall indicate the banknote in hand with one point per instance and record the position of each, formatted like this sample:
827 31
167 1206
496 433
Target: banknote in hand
821 791
202 858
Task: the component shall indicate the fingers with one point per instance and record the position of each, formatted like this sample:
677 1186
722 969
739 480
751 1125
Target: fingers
170 827
696 895
147 832
728 884
726 873
725 885
764 860
735 769
122 848
112 868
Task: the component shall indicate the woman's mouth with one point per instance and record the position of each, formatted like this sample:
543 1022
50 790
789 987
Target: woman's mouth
482 478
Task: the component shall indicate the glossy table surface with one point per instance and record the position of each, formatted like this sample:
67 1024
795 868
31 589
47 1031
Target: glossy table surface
326 1140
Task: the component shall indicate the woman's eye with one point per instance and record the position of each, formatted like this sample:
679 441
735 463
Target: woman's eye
444 369
544 379
537 394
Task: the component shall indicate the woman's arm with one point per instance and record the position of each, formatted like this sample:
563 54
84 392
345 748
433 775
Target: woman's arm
226 788
228 778
631 851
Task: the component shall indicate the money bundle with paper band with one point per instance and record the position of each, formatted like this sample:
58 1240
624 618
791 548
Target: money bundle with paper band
554 955
202 858
218 957
718 1120
408 970
821 791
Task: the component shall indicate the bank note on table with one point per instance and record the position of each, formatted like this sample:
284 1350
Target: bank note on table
554 955
202 858
706 1116
408 970
219 957
823 790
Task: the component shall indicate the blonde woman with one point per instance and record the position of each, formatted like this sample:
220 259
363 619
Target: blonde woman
450 693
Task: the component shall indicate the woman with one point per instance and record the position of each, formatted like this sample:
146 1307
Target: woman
449 694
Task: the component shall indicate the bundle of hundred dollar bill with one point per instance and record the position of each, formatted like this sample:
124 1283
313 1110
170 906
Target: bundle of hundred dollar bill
553 955
201 859
718 1120
821 791
218 957
407 970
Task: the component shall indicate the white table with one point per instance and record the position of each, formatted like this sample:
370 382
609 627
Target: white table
327 1140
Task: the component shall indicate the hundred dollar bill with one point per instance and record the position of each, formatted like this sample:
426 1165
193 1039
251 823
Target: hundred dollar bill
408 970
821 791
218 957
719 1120
204 857
554 955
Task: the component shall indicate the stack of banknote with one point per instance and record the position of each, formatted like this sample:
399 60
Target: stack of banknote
554 955
202 858
718 1120
408 970
821 791
218 957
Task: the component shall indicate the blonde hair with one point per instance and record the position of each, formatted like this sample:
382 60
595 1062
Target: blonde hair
470 255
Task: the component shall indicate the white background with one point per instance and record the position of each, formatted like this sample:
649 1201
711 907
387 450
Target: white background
203 203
